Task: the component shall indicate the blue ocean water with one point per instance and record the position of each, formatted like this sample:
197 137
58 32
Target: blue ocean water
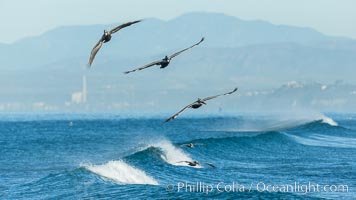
108 156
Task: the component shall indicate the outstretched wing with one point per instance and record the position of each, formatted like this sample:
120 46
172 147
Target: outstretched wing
183 145
144 67
179 52
211 165
176 115
94 51
183 162
116 29
212 97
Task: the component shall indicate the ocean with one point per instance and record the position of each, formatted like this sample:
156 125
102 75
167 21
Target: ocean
64 156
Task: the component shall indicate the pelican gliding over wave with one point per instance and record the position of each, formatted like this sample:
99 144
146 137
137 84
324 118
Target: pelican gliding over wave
196 104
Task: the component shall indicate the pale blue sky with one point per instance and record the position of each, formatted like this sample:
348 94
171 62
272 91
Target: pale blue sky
22 18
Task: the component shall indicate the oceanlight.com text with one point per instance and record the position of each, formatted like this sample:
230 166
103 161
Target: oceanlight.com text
295 187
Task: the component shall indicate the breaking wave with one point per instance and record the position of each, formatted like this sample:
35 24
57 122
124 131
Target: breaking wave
325 141
121 172
169 153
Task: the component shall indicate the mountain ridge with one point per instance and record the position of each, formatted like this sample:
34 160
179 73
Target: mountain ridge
253 55
157 35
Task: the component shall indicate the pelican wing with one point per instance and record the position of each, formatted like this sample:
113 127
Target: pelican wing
176 115
212 97
116 29
211 165
179 52
184 145
94 51
183 162
144 67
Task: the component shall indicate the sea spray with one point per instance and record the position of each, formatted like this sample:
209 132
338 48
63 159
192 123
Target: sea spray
121 172
274 122
324 141
168 152
328 120
172 154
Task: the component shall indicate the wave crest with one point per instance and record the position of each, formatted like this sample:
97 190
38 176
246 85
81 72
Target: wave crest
171 154
325 141
278 122
121 172
328 120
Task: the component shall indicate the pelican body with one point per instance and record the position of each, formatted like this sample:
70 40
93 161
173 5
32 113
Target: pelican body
106 37
191 145
196 163
165 61
198 103
193 164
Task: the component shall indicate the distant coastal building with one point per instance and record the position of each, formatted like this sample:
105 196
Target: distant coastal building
81 97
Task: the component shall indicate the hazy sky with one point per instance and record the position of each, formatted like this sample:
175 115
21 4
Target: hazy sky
23 18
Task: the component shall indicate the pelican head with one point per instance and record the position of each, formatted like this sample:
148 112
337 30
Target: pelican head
201 101
166 58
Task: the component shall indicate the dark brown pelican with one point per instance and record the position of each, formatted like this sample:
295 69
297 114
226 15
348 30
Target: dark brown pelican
196 163
165 61
106 37
198 103
191 145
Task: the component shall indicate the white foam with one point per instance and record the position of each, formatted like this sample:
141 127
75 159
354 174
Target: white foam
325 141
328 120
298 120
121 172
277 122
172 154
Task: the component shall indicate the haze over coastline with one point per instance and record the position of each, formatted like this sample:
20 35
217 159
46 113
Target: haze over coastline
263 59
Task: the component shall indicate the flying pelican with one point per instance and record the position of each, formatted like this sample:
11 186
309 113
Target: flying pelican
165 61
106 37
191 145
196 163
198 103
